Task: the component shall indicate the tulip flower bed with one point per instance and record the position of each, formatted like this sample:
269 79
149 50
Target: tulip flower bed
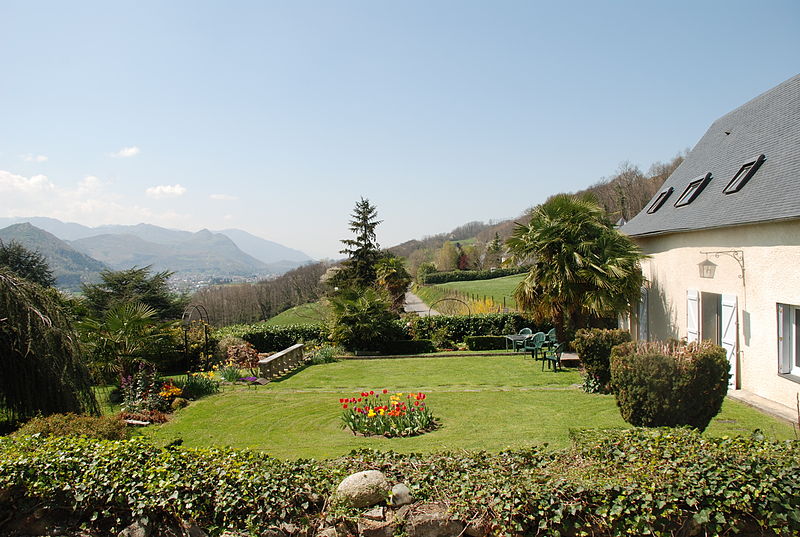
385 414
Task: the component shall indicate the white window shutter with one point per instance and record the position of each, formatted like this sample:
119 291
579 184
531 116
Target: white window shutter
783 361
692 315
730 332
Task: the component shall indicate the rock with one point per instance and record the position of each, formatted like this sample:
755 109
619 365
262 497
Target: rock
374 514
401 495
193 530
478 528
374 528
432 520
5 495
363 489
139 528
234 533
327 532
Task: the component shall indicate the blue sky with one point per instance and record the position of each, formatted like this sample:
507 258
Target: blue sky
275 117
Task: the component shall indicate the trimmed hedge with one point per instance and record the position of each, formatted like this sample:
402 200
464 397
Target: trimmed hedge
457 327
630 482
431 278
667 385
269 338
594 349
485 343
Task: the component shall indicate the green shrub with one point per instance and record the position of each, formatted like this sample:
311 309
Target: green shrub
197 385
430 278
485 343
408 346
594 349
269 338
100 427
362 319
669 385
325 354
457 327
635 482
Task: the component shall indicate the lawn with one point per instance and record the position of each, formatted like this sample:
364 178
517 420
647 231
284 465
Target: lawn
497 289
486 403
313 312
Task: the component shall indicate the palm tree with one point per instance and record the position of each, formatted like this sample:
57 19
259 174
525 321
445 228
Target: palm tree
583 269
125 333
40 370
394 279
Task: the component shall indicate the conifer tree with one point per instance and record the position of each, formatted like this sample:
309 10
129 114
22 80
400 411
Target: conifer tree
363 250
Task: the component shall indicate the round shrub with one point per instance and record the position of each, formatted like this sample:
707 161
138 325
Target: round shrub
178 403
594 349
659 384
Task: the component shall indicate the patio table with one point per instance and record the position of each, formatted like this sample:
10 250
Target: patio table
513 338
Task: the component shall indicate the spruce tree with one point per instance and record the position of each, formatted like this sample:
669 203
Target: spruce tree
362 251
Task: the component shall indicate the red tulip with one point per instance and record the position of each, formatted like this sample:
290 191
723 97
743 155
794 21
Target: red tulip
385 390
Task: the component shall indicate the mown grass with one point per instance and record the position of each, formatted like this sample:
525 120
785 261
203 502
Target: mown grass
313 312
488 403
499 290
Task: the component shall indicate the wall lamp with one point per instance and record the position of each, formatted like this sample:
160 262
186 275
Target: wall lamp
708 268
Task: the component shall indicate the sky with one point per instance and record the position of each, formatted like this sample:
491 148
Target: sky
277 117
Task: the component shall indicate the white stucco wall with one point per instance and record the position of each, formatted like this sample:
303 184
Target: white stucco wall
772 275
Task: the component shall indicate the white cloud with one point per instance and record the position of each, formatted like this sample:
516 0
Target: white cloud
223 197
88 201
165 191
10 182
30 157
126 152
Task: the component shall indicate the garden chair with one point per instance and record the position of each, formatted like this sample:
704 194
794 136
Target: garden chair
534 345
553 357
520 345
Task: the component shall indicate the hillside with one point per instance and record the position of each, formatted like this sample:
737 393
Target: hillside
70 267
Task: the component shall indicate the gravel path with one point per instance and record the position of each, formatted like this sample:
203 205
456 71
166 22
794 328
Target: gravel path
414 304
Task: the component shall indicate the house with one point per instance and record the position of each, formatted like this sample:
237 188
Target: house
723 236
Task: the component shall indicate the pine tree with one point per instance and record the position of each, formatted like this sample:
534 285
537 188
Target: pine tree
362 251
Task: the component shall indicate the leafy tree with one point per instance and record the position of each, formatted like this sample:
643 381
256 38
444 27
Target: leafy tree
362 251
130 286
583 269
447 257
40 370
26 264
362 319
394 279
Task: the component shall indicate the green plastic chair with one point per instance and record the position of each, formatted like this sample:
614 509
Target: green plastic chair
534 345
520 345
553 357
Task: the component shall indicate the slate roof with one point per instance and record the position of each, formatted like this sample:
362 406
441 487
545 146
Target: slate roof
768 125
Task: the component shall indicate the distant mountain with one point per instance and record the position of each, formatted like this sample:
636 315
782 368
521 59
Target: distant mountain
201 253
279 258
70 267
266 251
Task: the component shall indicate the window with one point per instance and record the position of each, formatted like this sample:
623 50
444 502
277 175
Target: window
693 190
659 201
789 338
744 174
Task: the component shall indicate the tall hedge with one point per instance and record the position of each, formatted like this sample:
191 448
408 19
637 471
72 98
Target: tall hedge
269 338
457 327
430 278
669 384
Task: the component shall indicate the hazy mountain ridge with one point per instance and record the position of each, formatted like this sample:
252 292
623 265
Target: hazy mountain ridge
70 267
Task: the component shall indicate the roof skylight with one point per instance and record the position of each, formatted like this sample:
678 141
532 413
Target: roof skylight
693 190
659 201
744 174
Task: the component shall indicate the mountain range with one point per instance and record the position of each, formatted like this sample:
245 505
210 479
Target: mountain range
77 253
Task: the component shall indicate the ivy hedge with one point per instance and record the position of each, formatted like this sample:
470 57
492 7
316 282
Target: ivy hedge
627 482
431 278
485 343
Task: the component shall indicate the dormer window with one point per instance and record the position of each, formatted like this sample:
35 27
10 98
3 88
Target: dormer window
659 201
693 190
744 174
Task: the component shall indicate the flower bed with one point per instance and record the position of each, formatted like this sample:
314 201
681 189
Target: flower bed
386 414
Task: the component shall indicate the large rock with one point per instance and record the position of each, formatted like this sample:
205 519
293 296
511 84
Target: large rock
363 489
376 528
432 520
